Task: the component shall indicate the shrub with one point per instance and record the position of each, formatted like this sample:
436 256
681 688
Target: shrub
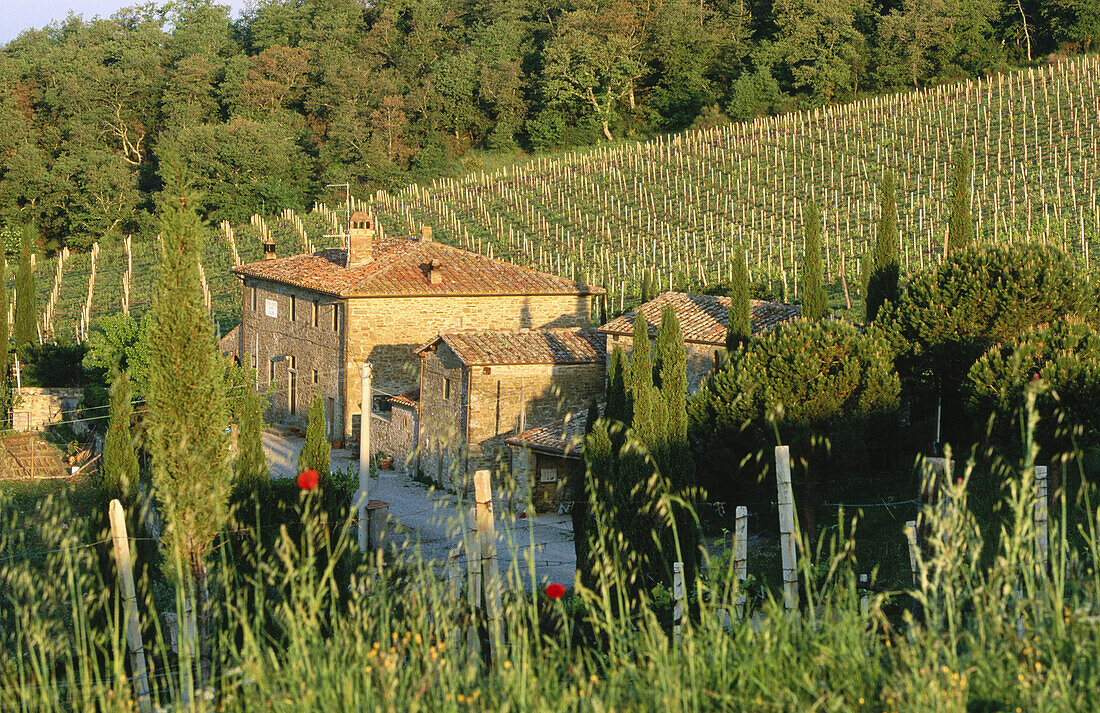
976 298
1061 362
805 382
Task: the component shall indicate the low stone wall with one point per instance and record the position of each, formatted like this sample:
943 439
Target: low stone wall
36 408
395 435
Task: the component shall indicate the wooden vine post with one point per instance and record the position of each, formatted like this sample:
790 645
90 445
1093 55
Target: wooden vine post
487 545
740 557
787 536
140 678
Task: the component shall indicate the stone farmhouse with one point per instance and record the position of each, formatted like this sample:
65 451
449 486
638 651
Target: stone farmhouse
309 321
703 319
549 454
480 387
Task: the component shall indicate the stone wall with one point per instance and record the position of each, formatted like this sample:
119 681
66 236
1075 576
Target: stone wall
700 362
36 407
550 479
442 418
388 330
316 350
543 392
395 434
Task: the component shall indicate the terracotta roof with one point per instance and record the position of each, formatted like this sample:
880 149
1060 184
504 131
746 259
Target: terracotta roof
562 437
400 267
524 346
703 318
410 398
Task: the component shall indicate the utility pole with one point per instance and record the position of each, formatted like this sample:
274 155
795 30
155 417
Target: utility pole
364 456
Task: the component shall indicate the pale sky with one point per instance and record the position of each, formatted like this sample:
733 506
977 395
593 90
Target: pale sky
19 15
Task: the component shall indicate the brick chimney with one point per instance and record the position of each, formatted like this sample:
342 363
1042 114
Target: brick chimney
360 240
269 251
435 274
425 233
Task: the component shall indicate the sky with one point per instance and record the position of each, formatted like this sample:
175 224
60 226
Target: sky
19 15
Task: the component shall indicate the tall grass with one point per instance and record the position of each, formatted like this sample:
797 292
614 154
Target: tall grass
306 624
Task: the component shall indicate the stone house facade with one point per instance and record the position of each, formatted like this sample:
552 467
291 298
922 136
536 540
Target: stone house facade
703 319
309 321
550 458
480 388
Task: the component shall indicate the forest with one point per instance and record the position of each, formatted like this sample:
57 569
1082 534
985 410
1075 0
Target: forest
270 108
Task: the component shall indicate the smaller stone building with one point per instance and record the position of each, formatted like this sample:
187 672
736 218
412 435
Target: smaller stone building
703 319
478 388
38 408
395 426
549 459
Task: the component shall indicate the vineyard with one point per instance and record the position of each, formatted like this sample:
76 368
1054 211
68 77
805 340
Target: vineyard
678 206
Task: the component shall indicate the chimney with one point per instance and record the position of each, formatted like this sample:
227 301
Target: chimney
269 251
360 239
425 233
435 274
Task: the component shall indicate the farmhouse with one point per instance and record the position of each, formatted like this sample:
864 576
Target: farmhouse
703 319
480 387
309 321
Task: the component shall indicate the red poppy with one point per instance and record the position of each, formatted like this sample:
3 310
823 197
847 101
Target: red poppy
307 479
555 591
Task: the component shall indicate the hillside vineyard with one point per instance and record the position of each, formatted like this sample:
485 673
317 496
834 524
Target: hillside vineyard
681 204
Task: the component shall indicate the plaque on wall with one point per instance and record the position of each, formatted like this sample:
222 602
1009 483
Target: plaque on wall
548 475
271 308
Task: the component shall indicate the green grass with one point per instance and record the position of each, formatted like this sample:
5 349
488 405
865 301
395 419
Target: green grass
307 624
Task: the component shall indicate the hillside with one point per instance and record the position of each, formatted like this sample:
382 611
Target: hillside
679 205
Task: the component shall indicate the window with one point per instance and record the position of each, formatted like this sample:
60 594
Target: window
293 308
315 379
271 370
336 318
253 289
253 361
446 388
316 311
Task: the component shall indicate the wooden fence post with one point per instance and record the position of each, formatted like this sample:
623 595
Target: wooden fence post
911 539
129 600
1042 537
473 585
678 599
740 557
786 527
487 540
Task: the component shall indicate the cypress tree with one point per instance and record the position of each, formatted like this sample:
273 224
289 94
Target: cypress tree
739 323
316 450
5 345
882 282
26 308
618 400
960 229
679 468
579 512
187 411
120 461
815 304
647 286
641 370
250 469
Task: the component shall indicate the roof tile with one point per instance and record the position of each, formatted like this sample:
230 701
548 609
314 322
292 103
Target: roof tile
524 346
702 318
400 268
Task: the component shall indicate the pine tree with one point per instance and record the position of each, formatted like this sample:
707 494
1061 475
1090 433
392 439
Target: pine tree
250 469
316 450
120 461
26 308
815 304
739 323
187 412
882 282
960 229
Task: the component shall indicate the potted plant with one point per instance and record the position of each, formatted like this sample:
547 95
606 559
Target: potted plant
385 461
